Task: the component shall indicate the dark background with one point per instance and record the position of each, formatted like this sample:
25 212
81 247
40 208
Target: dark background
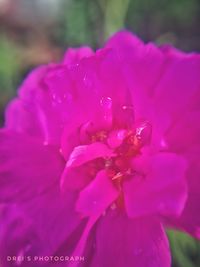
34 32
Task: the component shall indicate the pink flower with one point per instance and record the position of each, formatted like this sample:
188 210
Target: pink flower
98 154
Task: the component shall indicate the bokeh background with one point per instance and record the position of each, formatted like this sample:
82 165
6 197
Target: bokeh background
34 32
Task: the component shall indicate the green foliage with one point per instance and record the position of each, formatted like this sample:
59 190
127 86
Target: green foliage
80 20
185 249
176 19
8 65
114 15
8 72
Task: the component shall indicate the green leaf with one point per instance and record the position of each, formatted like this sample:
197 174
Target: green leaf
185 249
114 14
9 67
77 25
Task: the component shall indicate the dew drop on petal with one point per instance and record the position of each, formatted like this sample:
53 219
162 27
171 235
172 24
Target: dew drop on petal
104 213
127 107
106 102
113 206
87 81
144 132
45 143
163 144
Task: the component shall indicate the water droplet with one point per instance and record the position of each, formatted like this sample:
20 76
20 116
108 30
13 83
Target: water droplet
144 132
127 107
104 213
45 143
56 99
113 206
163 143
106 102
87 81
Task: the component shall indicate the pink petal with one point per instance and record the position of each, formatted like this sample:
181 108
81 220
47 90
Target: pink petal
74 55
124 40
184 133
113 84
116 138
162 190
29 227
83 154
75 179
41 109
179 82
97 196
30 198
139 60
92 202
21 115
27 166
189 221
190 217
122 242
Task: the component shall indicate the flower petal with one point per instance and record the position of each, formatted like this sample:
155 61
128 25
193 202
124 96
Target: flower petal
82 154
179 82
116 138
139 60
27 167
21 115
31 202
121 241
184 133
190 217
97 196
74 55
40 109
162 190
92 202
29 227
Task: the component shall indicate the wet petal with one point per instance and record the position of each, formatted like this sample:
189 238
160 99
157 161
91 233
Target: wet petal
180 81
139 60
190 218
85 153
31 202
28 167
162 190
92 202
116 138
124 242
97 196
74 55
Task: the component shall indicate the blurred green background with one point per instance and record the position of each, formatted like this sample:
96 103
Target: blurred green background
34 32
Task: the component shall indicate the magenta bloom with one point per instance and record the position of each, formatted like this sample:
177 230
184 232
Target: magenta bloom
98 155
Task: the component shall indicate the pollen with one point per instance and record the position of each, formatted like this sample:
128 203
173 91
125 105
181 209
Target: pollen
125 147
99 136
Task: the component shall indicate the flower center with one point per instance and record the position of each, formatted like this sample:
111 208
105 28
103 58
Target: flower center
125 144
